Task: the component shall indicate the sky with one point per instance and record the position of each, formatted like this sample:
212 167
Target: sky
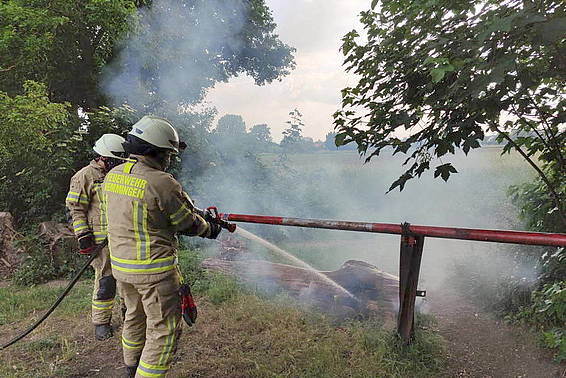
315 28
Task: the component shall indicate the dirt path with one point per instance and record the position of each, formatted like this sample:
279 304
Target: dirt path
479 345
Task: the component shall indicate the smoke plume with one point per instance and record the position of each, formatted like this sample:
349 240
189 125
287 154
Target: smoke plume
175 53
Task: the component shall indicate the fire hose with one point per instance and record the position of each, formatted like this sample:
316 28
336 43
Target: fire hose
92 256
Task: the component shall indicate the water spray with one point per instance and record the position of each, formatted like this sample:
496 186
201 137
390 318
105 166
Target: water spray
250 236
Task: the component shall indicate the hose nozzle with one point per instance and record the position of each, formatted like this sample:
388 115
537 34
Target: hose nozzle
216 218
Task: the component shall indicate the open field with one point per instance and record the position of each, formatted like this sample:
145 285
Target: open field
476 197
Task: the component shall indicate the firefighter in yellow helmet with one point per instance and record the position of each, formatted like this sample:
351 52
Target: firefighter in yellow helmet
85 205
146 208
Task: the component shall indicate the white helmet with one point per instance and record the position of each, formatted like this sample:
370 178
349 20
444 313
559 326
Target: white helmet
109 145
156 131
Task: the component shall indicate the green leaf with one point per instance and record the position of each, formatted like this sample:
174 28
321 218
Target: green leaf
444 171
437 74
427 60
339 139
400 182
553 30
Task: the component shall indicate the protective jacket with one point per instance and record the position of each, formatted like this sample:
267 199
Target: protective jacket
146 208
86 203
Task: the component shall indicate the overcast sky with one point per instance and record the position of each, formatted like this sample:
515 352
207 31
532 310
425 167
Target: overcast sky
315 29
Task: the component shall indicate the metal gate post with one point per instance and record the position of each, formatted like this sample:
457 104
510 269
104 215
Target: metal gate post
409 267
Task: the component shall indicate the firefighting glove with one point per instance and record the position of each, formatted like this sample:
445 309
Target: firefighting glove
208 215
86 243
214 230
188 305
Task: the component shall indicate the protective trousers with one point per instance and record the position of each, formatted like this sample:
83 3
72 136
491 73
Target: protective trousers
104 289
152 325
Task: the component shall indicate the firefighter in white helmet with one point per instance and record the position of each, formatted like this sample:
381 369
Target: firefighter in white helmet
146 209
85 205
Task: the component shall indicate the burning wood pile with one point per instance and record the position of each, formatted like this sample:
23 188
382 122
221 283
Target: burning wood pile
373 292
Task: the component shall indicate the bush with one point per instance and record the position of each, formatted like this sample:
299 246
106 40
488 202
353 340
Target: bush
548 313
41 265
481 279
42 144
518 299
537 206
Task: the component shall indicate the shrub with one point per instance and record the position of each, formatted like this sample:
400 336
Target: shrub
36 153
548 312
42 264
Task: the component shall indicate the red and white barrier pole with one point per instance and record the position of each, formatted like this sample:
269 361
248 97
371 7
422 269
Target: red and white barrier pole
498 236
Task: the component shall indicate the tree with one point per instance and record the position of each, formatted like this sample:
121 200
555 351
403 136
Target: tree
292 136
231 125
435 76
62 43
261 133
72 46
69 49
36 153
182 48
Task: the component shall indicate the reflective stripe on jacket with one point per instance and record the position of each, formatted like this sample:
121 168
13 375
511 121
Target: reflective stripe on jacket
85 201
146 207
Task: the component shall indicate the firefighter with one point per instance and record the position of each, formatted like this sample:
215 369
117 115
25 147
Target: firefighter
146 209
85 205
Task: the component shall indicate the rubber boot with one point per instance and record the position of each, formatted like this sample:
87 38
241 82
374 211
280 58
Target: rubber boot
131 371
103 331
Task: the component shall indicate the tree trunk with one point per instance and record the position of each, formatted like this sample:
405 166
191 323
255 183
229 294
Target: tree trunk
376 292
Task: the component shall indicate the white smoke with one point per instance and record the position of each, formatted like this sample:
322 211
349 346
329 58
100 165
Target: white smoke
176 52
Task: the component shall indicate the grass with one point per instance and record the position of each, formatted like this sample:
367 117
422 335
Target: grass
239 333
44 352
18 303
244 332
248 336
